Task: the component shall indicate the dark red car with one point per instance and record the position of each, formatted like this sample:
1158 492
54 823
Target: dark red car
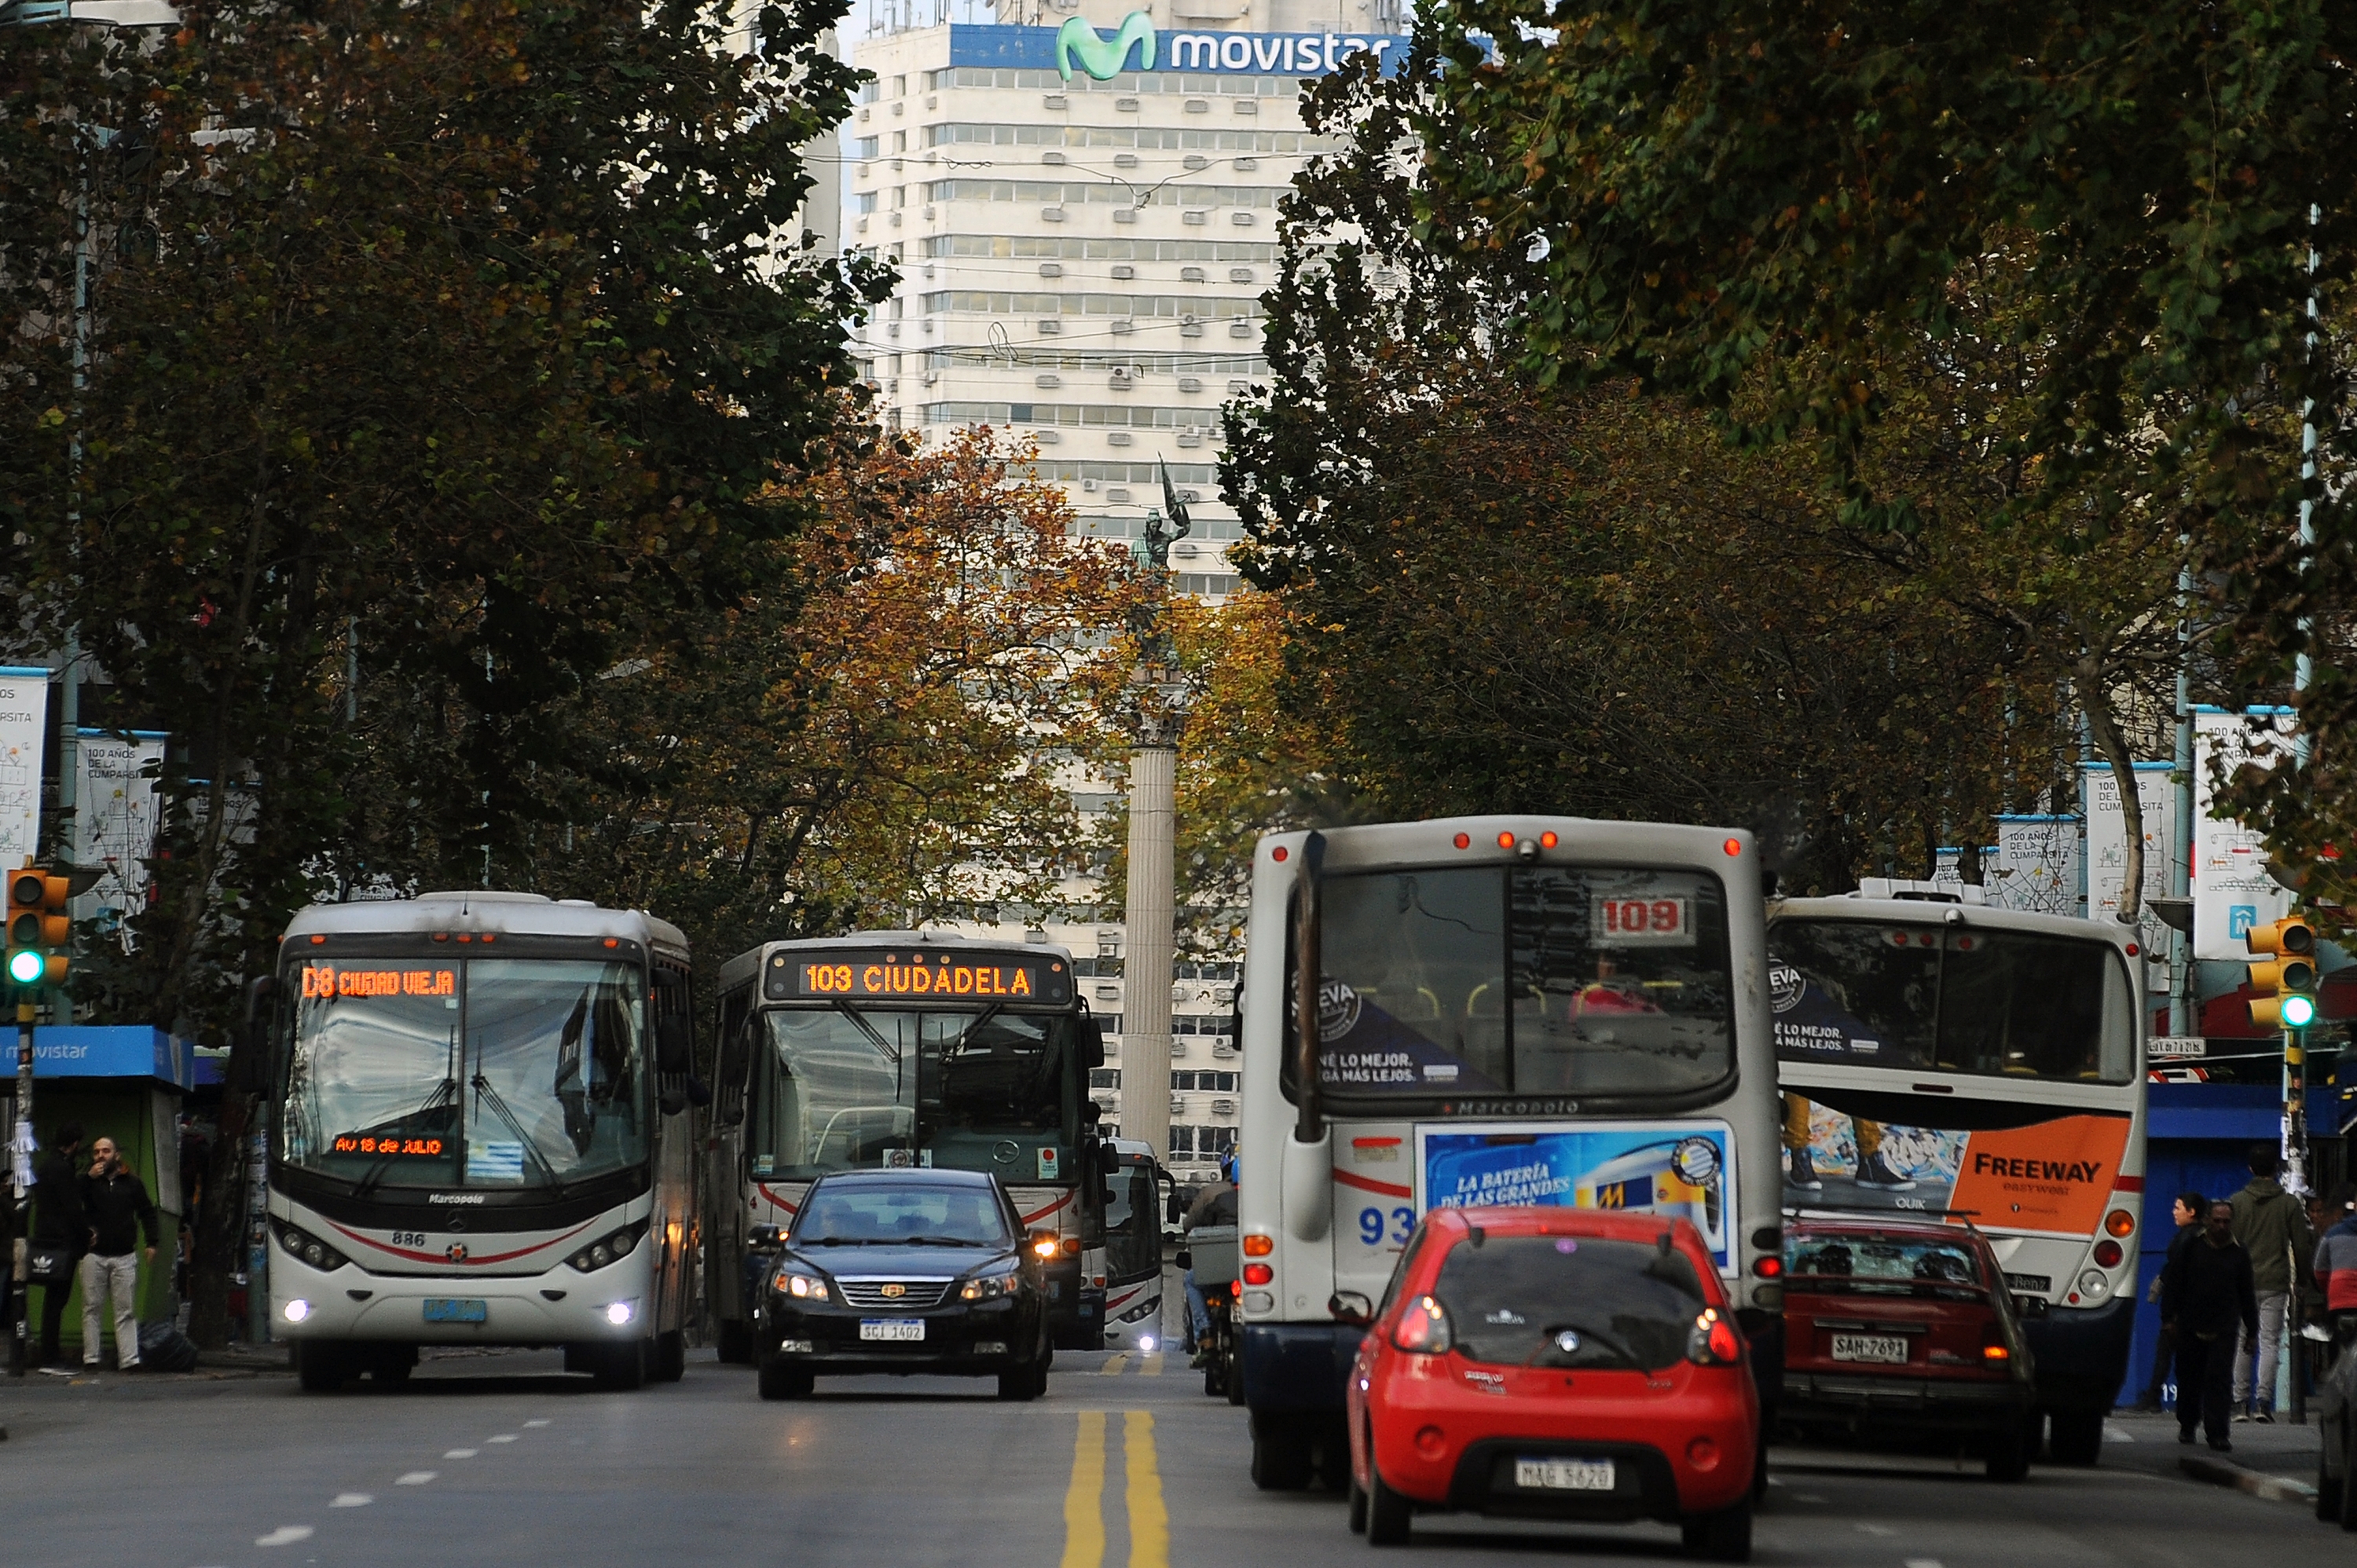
1555 1363
1899 1330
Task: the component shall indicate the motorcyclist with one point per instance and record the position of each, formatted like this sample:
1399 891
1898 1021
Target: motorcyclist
1215 1205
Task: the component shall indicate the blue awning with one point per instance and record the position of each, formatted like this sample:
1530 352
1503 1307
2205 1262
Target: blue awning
112 1050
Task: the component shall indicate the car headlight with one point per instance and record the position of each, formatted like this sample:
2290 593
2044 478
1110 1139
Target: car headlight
801 1286
990 1287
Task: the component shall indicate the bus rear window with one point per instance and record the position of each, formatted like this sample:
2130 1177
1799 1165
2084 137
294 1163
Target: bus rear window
1542 980
1952 999
1559 1301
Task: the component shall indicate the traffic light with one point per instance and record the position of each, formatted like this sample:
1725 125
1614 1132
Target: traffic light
2283 987
38 927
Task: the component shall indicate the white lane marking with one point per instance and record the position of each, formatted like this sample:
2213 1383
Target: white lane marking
535 1423
352 1500
2115 1432
285 1535
1806 1498
503 1437
1923 1562
417 1477
459 1453
1775 1480
1878 1529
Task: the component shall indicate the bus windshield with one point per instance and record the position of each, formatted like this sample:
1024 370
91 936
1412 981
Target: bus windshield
841 1088
475 1072
1133 1222
1524 980
1960 999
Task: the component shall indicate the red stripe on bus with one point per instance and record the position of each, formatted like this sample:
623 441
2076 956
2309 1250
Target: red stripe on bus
2127 1184
1043 1213
774 1199
1368 1184
462 1263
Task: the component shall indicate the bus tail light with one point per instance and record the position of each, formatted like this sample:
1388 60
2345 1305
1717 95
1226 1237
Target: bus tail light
1423 1328
1259 1246
2120 1222
1769 1266
1258 1274
2107 1252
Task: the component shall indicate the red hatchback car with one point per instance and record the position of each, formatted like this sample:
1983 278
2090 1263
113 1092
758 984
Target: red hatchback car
1555 1363
1901 1329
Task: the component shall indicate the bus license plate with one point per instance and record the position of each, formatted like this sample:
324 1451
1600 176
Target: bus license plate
891 1329
1885 1347
1565 1475
439 1309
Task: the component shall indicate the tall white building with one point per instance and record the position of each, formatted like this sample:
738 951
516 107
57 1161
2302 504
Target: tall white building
1081 203
1083 212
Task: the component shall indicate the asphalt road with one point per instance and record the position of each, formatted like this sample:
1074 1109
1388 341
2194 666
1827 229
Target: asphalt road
500 1458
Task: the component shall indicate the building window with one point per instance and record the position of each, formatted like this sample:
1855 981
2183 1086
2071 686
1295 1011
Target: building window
1105 1078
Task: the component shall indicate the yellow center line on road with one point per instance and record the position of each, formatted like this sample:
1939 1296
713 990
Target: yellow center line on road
1113 1364
1151 1367
1149 1522
1084 1535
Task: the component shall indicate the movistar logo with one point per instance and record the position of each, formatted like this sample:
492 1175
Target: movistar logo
1100 58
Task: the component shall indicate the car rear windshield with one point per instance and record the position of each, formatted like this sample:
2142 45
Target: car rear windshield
1560 1301
903 1212
1883 1264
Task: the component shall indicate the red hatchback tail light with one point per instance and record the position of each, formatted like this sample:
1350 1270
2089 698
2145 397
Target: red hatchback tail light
1995 1351
1714 1341
1424 1327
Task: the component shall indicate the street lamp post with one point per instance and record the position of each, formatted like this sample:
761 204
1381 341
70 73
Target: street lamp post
1157 714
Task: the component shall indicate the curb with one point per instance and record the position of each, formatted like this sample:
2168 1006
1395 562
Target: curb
2226 1473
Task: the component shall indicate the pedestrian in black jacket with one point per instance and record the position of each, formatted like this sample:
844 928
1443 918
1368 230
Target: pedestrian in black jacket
2207 1297
119 1210
2188 1211
59 1221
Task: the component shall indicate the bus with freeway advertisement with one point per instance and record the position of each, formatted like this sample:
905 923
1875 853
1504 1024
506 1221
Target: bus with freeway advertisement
1484 1011
900 1048
1942 1058
482 1134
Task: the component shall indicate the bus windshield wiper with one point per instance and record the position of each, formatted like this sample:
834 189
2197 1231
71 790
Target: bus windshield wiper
383 1162
490 1096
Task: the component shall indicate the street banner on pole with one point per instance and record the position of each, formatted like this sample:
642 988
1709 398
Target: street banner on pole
24 726
114 820
2231 889
2107 855
2037 866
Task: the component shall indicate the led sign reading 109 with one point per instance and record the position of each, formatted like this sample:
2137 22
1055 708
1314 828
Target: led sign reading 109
326 981
906 975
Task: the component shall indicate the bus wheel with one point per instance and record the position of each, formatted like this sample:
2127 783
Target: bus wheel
736 1342
321 1368
622 1368
392 1363
782 1381
1280 1455
2076 1437
670 1356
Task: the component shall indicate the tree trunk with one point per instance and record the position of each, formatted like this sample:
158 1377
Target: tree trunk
2096 701
220 1228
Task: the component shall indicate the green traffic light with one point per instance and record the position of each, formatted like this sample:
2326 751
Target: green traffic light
2298 1012
25 966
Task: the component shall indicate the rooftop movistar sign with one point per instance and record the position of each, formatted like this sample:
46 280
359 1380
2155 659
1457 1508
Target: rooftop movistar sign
1135 45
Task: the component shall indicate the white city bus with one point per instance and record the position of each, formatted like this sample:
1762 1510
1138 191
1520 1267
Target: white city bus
1133 1309
1500 1010
482 1135
1940 1057
885 1049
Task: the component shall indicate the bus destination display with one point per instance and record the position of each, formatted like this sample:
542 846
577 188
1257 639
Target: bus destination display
328 982
904 975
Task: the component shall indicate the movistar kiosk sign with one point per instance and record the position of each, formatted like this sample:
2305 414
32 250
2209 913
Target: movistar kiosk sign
1135 45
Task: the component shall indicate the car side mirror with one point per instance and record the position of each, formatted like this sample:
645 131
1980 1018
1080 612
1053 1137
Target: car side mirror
1183 1257
765 1236
1351 1308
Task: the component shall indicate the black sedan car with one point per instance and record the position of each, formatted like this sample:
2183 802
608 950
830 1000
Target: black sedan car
905 1270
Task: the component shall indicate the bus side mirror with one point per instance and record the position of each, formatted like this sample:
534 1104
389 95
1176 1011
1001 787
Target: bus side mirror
1093 1049
765 1236
1183 1259
251 1068
1351 1308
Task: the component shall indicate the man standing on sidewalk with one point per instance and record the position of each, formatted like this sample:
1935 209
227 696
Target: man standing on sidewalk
58 1221
2272 1227
2204 1292
119 1210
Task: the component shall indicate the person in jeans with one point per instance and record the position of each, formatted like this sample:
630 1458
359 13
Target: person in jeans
2204 1292
2272 1227
59 1220
119 1208
2187 1211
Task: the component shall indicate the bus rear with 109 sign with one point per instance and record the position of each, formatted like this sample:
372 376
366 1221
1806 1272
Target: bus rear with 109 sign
1489 1010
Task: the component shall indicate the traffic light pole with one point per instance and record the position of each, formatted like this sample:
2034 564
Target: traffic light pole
20 1343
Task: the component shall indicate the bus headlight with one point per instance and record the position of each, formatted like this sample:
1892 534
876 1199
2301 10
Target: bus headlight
306 1248
295 1311
607 1249
620 1312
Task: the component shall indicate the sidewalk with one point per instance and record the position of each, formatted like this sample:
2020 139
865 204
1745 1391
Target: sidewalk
2275 1461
